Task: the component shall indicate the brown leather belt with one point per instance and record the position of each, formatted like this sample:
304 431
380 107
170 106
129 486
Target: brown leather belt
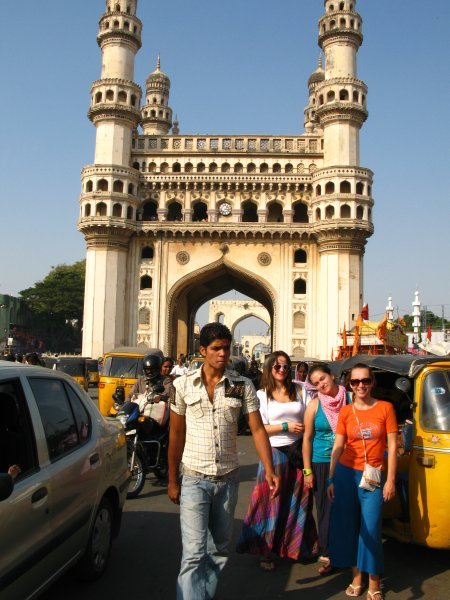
197 474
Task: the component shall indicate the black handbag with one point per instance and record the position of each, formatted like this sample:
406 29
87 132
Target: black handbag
293 453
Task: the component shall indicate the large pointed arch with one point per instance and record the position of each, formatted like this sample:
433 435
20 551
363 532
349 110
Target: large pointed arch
194 289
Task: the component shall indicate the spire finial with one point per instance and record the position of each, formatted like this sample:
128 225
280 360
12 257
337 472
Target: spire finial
158 63
320 61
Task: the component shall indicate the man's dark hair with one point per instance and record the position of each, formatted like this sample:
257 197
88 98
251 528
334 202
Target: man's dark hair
214 331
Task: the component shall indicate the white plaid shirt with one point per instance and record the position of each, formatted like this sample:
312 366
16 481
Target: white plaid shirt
211 427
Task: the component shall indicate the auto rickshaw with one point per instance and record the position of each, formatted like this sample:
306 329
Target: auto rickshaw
75 366
121 368
419 388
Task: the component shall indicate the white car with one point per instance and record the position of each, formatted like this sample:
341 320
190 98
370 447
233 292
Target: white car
66 504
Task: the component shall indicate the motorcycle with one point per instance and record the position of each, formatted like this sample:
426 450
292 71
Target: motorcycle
147 442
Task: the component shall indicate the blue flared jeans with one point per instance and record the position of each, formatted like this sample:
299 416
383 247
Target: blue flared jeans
206 517
355 526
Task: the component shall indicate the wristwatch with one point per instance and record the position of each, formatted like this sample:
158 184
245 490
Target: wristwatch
307 472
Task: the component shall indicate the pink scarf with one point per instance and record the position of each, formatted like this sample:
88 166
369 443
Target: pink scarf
331 406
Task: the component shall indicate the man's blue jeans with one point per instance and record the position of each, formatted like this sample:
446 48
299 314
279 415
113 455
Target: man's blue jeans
206 516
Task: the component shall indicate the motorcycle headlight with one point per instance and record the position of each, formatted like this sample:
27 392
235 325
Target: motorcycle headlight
123 419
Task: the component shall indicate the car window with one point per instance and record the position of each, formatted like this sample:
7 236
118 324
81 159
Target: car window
82 419
17 439
60 425
435 412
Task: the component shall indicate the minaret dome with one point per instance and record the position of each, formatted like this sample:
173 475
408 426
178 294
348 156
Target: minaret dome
156 114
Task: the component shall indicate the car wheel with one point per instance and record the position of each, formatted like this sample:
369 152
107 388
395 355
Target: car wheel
137 475
95 559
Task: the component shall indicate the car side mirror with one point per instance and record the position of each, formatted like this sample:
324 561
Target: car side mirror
6 486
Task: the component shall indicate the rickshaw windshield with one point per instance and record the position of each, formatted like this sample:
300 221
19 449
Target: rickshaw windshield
122 366
436 401
75 369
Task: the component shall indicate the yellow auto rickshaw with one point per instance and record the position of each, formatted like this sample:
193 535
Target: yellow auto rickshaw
419 388
121 368
75 366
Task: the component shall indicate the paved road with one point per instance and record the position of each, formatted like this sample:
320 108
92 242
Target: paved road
146 556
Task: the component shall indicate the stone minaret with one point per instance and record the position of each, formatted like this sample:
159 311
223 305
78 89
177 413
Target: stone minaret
156 113
110 186
342 188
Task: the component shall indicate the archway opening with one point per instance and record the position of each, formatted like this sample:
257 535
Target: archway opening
199 287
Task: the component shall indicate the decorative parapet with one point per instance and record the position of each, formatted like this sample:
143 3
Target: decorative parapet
222 144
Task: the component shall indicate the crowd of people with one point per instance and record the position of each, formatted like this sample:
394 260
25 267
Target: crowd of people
318 442
31 358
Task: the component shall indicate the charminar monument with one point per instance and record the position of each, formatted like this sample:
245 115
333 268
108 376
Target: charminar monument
172 220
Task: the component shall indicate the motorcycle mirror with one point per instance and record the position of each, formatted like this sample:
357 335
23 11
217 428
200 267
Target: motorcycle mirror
403 384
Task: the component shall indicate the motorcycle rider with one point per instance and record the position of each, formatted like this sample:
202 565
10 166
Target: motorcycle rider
150 379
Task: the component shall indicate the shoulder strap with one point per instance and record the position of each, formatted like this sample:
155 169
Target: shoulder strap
360 430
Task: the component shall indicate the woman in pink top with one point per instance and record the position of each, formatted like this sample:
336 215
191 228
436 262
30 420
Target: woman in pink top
355 528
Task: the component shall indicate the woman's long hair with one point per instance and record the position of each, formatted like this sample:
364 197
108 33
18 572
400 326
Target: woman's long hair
267 380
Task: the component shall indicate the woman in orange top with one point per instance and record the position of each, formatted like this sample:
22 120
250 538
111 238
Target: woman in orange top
355 528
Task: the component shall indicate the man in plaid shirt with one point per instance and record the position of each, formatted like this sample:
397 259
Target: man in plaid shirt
205 408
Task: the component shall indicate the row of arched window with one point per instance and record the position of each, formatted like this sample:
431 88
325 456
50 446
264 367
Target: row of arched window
213 167
103 186
344 212
345 187
341 6
101 210
152 114
122 97
149 212
116 25
118 8
344 96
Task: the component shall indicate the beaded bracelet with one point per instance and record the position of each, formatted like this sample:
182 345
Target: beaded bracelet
330 481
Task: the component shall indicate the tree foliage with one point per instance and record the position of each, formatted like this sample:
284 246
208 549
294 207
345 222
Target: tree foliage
56 303
426 318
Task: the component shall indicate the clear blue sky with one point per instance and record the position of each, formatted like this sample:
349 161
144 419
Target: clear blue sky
235 67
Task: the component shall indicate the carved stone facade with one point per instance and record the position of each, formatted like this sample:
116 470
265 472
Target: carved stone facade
172 221
232 312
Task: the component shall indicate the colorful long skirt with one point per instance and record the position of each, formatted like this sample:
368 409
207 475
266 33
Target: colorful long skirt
284 525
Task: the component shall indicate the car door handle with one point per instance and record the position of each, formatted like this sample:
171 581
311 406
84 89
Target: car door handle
39 494
94 458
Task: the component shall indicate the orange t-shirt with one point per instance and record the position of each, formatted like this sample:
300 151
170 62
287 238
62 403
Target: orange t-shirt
376 423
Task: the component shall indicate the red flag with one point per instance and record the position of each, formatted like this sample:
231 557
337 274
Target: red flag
344 337
429 333
365 312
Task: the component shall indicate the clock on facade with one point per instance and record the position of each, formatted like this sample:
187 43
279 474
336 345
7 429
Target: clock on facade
225 209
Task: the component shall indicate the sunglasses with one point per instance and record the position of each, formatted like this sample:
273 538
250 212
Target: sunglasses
278 367
364 381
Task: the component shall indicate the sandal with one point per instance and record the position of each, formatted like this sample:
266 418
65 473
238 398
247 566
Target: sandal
355 590
267 564
376 595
